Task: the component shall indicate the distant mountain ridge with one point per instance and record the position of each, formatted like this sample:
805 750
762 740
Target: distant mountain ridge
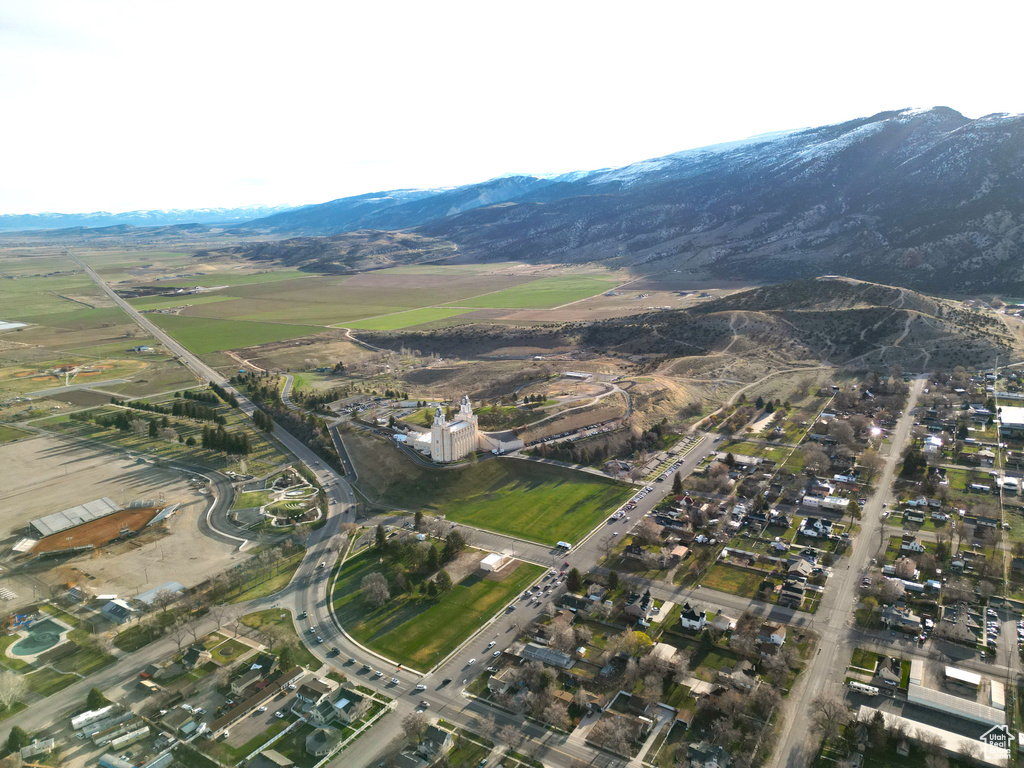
920 198
30 222
924 198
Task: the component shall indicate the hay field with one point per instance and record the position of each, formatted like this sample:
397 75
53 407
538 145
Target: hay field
202 335
546 293
406 319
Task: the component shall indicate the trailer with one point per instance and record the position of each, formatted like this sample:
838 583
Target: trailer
867 690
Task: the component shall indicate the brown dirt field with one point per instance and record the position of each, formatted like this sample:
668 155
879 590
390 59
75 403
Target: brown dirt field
98 532
465 564
84 397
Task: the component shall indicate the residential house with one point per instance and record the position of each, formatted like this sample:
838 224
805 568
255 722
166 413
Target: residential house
501 681
692 618
704 754
987 522
311 693
640 606
791 595
246 680
902 618
323 741
545 655
914 516
800 569
911 544
741 676
435 743
635 552
771 632
271 758
195 656
767 650
118 611
889 671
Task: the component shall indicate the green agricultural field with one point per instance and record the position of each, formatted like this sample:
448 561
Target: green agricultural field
545 293
42 296
83 318
540 502
405 319
165 302
202 335
420 631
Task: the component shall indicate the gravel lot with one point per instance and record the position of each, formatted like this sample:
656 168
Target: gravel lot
45 475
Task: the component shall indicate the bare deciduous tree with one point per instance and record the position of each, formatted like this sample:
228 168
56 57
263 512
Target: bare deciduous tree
413 726
12 687
375 589
828 716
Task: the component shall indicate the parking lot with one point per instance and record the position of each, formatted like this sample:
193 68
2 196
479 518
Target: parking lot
248 728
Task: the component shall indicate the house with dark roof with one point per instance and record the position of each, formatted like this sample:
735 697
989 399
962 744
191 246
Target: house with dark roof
692 618
195 656
704 754
118 611
323 741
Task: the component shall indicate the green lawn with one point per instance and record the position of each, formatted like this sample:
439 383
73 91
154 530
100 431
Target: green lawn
404 319
251 499
282 574
540 502
282 620
863 659
419 631
467 754
204 334
9 434
228 651
46 682
728 578
545 293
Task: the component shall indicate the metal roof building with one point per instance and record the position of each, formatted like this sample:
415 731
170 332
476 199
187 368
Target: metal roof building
961 676
69 518
955 705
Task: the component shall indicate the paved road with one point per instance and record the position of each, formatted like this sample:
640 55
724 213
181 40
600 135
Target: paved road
833 620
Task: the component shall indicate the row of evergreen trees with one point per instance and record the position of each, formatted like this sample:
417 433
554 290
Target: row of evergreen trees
219 439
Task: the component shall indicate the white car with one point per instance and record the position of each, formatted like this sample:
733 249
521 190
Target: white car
496 654
491 644
279 714
471 662
260 710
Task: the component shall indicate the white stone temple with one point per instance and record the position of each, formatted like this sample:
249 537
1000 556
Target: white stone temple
452 440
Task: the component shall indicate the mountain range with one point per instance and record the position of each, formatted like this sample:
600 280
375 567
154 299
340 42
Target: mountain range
923 198
32 222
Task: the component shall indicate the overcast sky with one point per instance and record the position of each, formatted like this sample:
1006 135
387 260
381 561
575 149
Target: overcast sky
128 105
